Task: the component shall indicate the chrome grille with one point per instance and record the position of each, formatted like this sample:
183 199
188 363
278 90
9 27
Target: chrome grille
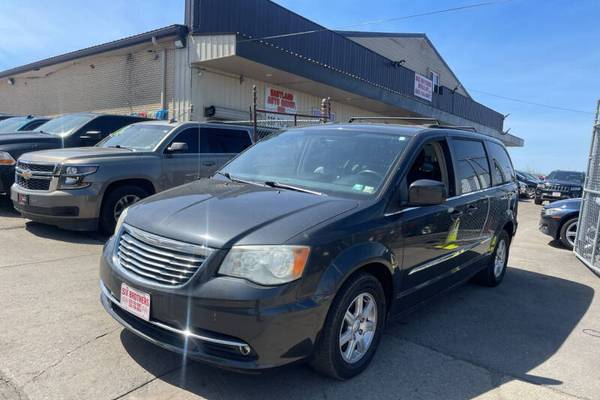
24 165
559 188
33 176
157 259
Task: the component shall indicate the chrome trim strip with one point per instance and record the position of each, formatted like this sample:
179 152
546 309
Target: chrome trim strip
136 265
168 244
185 333
444 258
133 242
136 254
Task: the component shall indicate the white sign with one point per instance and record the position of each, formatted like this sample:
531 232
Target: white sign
280 100
423 87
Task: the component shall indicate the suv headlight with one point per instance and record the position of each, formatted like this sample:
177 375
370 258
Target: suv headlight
72 176
266 265
6 159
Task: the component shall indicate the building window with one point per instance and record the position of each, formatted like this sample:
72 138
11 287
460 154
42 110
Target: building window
435 78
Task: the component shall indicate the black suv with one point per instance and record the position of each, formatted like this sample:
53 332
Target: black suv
560 185
71 130
306 243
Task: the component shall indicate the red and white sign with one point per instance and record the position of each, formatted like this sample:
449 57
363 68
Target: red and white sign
135 302
423 87
280 100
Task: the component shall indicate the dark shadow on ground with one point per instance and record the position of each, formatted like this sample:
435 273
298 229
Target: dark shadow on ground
54 233
6 208
557 244
459 346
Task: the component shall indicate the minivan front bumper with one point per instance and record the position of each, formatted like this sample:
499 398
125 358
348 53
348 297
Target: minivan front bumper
227 322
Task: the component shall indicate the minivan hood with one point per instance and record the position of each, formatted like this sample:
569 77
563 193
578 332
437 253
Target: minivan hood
75 154
221 214
29 137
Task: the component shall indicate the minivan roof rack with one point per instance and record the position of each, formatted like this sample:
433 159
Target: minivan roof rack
418 119
462 128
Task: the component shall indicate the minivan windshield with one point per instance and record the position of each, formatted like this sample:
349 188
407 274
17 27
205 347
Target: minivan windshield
569 176
138 137
13 124
65 125
344 162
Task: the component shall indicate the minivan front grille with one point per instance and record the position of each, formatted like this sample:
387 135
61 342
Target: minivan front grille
157 259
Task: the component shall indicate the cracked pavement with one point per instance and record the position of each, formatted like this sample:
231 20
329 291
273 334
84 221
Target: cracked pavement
534 337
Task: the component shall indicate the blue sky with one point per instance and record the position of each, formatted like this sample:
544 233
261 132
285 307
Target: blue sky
539 51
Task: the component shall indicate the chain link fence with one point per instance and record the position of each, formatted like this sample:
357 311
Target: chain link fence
587 244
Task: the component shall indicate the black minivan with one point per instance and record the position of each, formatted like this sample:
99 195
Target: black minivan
305 244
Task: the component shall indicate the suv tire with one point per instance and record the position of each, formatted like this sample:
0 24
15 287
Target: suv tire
328 358
493 274
566 230
119 197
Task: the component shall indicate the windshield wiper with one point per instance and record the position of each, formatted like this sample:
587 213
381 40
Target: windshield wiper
290 187
234 179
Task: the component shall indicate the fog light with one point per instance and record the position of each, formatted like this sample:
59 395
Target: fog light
245 350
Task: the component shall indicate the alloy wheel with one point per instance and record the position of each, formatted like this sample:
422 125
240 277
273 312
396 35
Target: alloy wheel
358 328
571 233
123 203
500 259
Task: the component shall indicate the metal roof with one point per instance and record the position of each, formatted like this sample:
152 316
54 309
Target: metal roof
173 30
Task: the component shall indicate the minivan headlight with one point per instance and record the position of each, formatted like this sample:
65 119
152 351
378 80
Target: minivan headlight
266 265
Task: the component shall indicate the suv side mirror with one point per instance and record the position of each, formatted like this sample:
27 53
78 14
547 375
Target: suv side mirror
178 147
426 192
90 138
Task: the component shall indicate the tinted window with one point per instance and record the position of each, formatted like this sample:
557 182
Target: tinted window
65 125
569 176
32 125
191 136
216 140
502 170
472 169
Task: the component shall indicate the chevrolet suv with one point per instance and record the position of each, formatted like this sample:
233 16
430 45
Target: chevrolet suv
305 244
87 188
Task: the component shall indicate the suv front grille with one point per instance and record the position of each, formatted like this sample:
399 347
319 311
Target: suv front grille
558 188
33 183
157 259
33 176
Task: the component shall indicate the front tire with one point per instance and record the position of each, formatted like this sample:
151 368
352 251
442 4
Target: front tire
353 328
493 274
568 233
115 202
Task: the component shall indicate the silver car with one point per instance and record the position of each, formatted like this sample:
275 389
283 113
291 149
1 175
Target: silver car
88 188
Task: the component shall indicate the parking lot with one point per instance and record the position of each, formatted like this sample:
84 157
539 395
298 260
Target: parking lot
537 336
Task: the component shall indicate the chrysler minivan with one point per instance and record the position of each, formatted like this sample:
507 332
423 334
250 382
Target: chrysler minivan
304 245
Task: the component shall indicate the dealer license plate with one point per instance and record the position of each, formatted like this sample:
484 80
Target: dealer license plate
22 199
556 194
135 302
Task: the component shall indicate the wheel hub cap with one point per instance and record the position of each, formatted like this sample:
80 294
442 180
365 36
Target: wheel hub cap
500 259
358 328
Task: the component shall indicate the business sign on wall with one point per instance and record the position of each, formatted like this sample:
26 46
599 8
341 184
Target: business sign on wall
280 100
423 87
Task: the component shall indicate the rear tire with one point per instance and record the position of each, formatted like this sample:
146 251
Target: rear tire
493 274
345 327
568 233
117 200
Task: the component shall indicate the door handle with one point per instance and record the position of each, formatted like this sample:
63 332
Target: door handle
208 163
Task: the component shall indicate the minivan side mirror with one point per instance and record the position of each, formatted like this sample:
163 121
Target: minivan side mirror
177 147
426 192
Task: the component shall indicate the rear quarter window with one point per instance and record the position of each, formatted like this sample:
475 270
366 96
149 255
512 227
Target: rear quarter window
471 165
502 168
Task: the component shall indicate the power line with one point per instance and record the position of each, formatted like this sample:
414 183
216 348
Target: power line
423 14
532 103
